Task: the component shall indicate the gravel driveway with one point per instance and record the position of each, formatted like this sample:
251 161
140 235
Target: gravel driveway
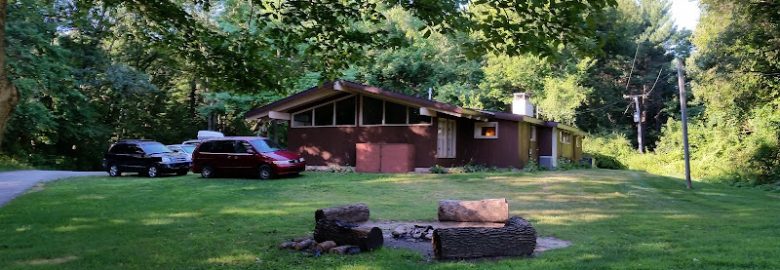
15 183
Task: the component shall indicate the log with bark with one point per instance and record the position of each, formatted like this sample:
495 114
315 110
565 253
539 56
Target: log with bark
488 210
516 238
352 213
344 233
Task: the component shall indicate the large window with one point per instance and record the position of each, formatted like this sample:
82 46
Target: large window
323 115
372 111
380 112
340 112
345 112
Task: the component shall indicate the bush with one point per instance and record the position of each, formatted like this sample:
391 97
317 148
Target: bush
532 166
436 169
607 162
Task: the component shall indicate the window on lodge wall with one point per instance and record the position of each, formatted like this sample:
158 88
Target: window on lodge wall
380 112
340 112
565 137
488 130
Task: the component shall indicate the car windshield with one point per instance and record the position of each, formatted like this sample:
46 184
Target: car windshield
265 145
154 148
189 148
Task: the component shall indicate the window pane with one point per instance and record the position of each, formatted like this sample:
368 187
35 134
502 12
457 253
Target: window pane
372 111
416 118
265 145
395 113
302 119
323 116
345 112
489 131
223 147
206 147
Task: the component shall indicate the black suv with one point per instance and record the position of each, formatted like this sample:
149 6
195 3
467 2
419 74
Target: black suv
149 158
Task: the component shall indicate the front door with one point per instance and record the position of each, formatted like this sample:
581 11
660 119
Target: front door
445 143
243 157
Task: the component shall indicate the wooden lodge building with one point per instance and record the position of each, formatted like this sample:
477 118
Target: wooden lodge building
344 123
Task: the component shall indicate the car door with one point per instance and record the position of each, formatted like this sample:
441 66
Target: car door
243 157
135 158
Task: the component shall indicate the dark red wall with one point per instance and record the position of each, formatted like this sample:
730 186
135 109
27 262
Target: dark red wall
322 146
500 152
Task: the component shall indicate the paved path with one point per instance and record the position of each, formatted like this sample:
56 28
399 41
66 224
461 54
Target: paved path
15 183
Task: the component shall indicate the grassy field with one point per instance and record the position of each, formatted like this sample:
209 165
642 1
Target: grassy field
615 219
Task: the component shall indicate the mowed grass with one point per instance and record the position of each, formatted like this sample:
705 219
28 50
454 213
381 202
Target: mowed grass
615 219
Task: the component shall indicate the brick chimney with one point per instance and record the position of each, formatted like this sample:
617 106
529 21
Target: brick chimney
521 104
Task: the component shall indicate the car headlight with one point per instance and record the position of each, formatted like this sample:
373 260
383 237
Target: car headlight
166 160
301 160
281 162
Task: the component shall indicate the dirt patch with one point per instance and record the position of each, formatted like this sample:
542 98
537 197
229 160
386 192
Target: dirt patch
425 248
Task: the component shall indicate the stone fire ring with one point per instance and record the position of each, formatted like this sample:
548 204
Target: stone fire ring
426 249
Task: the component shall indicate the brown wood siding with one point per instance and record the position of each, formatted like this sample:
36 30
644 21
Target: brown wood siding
499 152
326 146
566 150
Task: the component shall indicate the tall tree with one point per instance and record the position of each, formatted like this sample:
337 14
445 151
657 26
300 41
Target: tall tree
9 96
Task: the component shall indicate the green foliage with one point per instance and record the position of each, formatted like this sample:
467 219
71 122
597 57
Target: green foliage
437 169
532 166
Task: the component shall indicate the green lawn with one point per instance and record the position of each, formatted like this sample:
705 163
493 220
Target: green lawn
616 220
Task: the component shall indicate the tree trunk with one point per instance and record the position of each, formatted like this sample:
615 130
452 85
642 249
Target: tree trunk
488 210
347 213
193 102
348 234
516 238
9 96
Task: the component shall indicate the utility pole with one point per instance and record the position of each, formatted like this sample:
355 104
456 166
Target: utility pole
638 119
684 113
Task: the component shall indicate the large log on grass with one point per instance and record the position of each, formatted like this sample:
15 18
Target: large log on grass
516 238
344 233
488 210
348 213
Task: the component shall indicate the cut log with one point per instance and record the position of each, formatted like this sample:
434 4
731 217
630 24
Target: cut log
352 213
488 210
348 234
516 238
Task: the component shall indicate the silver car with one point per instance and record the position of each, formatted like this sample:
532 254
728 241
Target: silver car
185 149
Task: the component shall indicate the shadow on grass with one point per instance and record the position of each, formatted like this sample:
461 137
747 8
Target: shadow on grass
615 219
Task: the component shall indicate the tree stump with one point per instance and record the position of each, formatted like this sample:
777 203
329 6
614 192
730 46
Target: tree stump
348 234
488 210
351 213
516 238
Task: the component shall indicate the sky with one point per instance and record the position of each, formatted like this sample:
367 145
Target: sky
686 13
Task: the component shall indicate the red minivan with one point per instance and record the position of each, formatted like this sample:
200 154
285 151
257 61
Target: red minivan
254 155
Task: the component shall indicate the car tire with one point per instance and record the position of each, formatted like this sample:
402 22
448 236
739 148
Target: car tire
207 172
182 172
152 171
113 171
265 172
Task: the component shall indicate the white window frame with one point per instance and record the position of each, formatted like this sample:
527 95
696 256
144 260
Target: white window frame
360 117
446 146
565 137
532 136
478 130
292 116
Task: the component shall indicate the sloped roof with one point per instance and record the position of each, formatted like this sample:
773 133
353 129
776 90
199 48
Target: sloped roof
334 88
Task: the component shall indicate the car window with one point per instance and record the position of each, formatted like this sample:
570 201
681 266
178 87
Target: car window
206 147
155 148
189 148
223 147
119 149
264 145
